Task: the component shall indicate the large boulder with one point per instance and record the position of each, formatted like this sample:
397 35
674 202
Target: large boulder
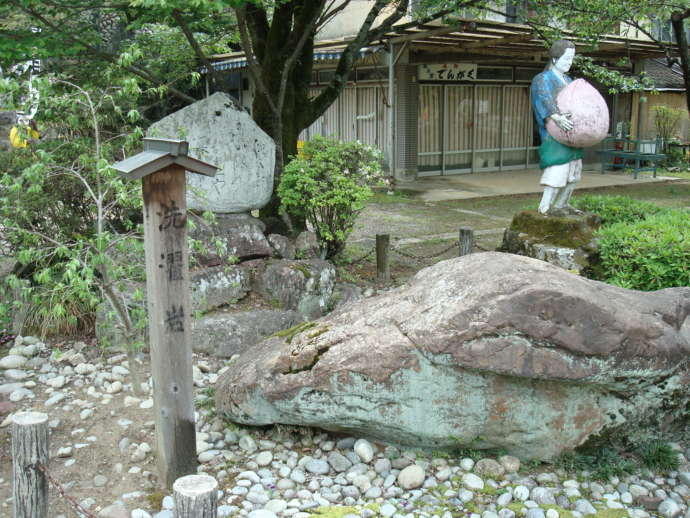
488 350
223 134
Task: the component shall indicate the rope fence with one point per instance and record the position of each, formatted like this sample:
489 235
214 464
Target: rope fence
465 244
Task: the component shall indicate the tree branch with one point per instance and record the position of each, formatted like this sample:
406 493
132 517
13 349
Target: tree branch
182 23
112 58
305 32
329 13
253 63
347 58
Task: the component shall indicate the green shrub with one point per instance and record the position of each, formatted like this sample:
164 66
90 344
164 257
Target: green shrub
658 455
647 255
616 209
65 213
666 120
603 462
675 155
327 184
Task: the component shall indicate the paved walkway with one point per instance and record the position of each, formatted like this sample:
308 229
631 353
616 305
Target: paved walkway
483 185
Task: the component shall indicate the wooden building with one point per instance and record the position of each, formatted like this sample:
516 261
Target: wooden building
669 90
442 100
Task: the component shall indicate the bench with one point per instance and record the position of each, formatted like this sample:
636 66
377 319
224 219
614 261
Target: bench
637 154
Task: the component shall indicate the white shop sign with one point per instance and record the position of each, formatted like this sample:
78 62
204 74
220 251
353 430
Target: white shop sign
448 72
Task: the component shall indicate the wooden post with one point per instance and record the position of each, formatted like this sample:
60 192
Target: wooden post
196 496
466 241
29 447
167 284
383 270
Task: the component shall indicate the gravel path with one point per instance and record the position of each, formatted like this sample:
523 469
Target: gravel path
102 441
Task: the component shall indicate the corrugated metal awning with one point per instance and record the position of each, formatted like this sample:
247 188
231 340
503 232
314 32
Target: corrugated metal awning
325 55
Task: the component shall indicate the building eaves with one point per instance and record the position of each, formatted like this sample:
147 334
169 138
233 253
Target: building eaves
663 76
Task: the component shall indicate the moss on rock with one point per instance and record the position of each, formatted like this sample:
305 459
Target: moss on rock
338 511
565 231
291 332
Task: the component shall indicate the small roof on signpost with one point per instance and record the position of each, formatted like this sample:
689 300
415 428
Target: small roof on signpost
158 154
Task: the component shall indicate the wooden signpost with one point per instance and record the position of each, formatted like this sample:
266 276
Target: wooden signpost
161 166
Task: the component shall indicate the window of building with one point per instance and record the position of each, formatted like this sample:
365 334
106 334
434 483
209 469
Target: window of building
525 75
485 73
325 76
371 74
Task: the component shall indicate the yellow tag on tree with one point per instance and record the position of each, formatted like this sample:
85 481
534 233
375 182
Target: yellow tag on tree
18 141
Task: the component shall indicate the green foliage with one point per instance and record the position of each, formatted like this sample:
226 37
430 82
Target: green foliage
616 81
658 455
641 246
666 120
206 399
327 184
647 255
675 158
616 209
67 215
602 463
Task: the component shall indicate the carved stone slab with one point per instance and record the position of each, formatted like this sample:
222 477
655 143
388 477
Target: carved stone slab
224 135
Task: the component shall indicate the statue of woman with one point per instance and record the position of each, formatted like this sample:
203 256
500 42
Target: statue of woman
561 164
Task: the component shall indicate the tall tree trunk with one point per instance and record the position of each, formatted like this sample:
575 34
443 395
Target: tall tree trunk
284 130
678 23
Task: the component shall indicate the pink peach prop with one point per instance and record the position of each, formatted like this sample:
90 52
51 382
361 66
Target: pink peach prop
588 113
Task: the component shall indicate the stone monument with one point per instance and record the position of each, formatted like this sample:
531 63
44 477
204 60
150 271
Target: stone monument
221 133
234 306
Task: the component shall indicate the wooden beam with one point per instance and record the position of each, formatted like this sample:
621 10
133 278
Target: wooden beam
426 34
456 53
443 56
496 41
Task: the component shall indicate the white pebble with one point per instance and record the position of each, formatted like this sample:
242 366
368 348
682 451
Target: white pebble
467 464
364 450
472 482
13 361
65 452
411 477
264 458
521 493
57 382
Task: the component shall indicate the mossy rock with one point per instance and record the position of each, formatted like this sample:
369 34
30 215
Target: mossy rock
565 231
562 513
564 241
604 512
338 511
